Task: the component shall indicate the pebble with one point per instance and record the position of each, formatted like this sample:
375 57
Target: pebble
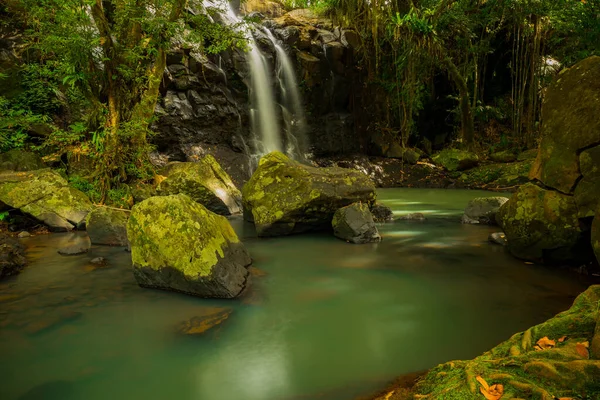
98 261
497 238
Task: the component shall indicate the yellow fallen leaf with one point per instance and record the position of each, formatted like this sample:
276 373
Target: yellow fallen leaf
546 343
562 339
387 396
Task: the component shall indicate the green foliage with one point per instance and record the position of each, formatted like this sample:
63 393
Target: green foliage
15 122
91 189
4 216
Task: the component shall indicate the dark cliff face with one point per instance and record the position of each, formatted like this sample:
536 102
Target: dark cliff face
204 106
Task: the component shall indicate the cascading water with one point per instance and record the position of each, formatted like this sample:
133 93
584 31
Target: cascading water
263 111
293 112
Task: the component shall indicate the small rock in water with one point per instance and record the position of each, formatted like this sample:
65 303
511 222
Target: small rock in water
354 224
497 238
382 213
52 321
200 324
73 250
413 217
98 261
24 234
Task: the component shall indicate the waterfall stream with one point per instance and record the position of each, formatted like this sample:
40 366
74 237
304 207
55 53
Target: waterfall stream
265 116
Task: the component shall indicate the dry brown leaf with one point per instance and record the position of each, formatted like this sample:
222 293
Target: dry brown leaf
546 343
566 398
582 349
537 348
562 339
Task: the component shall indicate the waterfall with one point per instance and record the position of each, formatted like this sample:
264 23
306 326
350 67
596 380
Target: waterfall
264 115
293 112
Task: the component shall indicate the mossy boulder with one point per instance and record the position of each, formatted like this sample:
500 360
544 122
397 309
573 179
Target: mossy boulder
561 370
179 245
542 225
12 256
570 125
107 226
20 160
505 156
498 174
46 196
596 235
354 224
408 155
205 182
284 196
456 160
587 191
483 210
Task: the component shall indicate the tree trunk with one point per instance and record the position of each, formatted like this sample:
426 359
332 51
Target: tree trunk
467 124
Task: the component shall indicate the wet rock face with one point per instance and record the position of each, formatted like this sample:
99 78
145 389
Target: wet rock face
483 210
570 125
12 256
46 196
205 182
542 225
285 197
179 245
354 224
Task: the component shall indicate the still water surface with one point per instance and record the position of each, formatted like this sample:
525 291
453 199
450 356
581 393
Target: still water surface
329 320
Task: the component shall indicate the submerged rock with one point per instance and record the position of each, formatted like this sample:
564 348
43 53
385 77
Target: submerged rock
74 250
179 245
51 321
541 225
46 196
570 125
20 160
205 182
285 197
354 223
12 256
455 159
200 324
107 226
482 210
382 213
497 238
413 217
547 361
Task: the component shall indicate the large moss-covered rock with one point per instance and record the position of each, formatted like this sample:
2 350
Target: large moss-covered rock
284 196
587 192
409 156
559 369
456 160
12 256
483 210
205 182
542 225
596 235
46 196
107 226
505 156
354 224
20 160
497 175
179 245
570 125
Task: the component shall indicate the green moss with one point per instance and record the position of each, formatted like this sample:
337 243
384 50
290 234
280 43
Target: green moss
177 232
455 159
499 175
